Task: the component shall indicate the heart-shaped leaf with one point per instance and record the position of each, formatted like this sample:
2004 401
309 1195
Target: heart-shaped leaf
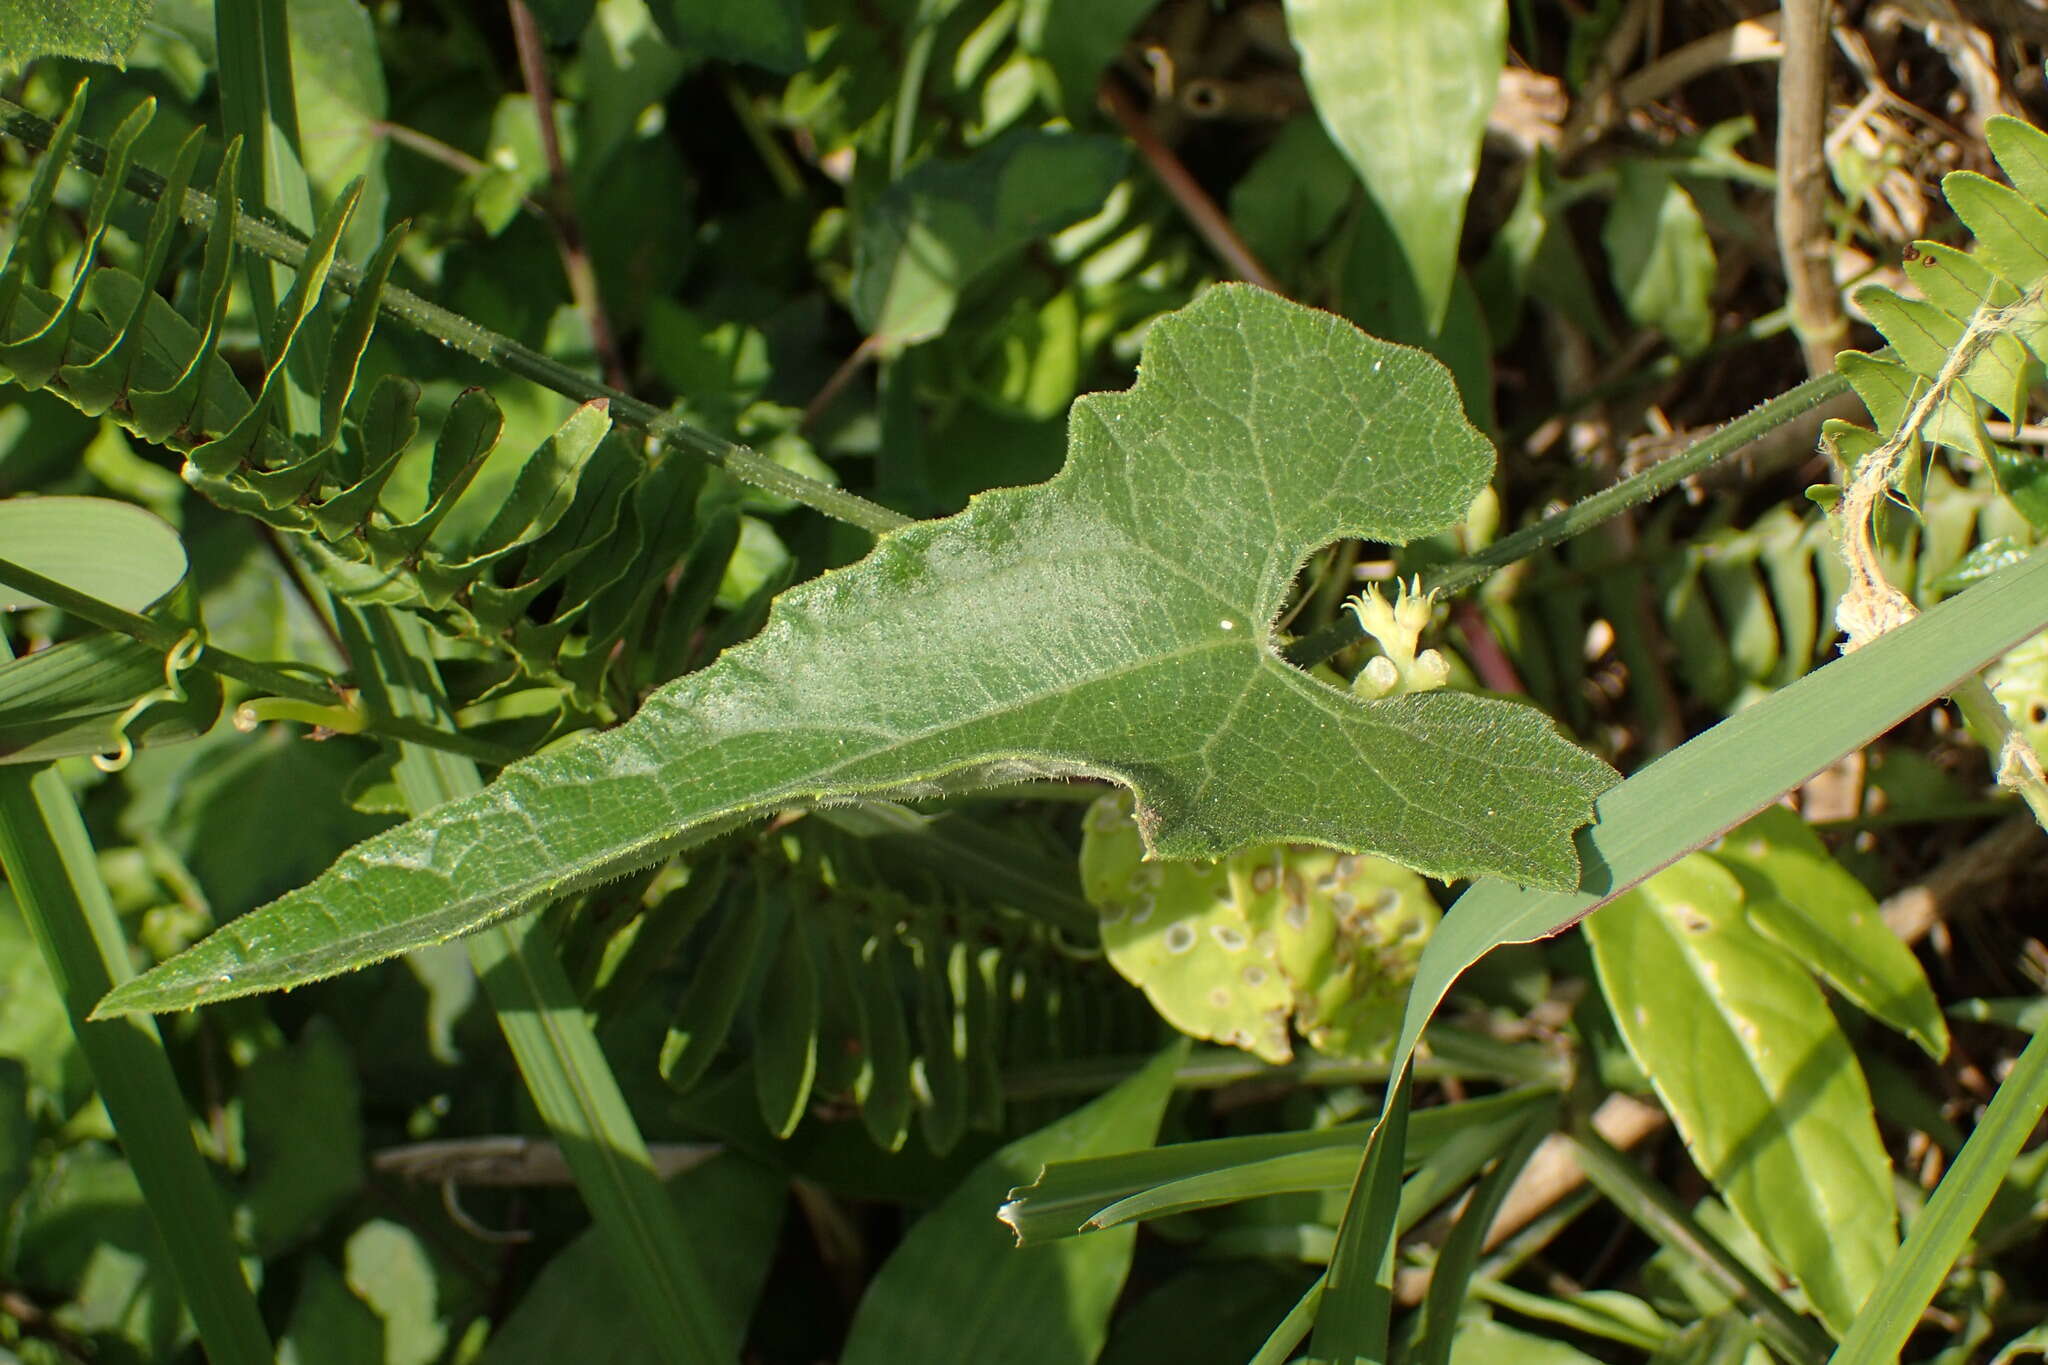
1115 622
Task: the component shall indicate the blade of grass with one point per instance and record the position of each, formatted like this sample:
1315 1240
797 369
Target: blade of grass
1652 1208
48 858
1707 786
1358 1296
1279 1347
1450 1052
1455 1264
258 105
1070 1196
1576 1313
552 1040
1939 1235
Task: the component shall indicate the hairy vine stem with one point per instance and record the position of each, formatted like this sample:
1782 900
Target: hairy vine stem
1590 511
452 329
1873 606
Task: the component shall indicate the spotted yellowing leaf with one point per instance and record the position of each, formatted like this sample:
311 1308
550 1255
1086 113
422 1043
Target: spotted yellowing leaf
1236 949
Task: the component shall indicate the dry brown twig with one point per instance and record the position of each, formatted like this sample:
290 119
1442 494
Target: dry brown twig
569 239
1805 244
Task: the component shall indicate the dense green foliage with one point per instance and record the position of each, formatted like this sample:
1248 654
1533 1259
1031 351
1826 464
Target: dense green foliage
734 599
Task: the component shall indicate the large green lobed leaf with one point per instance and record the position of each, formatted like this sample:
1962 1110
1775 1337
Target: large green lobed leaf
1115 622
93 30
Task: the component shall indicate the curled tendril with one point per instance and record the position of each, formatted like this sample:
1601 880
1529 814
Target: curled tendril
182 656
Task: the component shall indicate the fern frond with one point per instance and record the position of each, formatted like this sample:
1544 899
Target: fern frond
591 523
848 993
1737 611
1977 335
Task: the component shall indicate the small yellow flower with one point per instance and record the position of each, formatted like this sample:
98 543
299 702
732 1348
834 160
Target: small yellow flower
1397 626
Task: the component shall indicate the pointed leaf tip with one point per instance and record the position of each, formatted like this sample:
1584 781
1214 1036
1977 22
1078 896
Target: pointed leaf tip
1114 622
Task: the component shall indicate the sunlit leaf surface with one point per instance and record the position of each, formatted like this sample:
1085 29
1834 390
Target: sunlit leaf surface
1114 623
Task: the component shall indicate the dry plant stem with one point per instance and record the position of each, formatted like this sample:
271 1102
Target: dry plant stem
1599 105
576 262
1750 40
517 1161
454 158
1194 201
828 392
1551 1176
1804 244
789 181
1873 606
2019 767
2011 852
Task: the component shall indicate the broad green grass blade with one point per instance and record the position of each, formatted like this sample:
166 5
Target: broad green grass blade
1606 1314
1942 1231
1747 1056
1115 621
1451 1278
577 1309
1404 90
1069 1196
958 1289
552 1039
259 106
1688 797
49 862
1357 1310
1448 1154
114 551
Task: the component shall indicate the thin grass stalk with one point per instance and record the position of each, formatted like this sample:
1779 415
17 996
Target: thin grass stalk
1656 1211
551 1037
48 858
552 1040
1943 1230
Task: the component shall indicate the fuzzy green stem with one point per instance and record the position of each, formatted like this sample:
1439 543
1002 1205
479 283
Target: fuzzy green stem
453 330
2018 766
51 869
1590 511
